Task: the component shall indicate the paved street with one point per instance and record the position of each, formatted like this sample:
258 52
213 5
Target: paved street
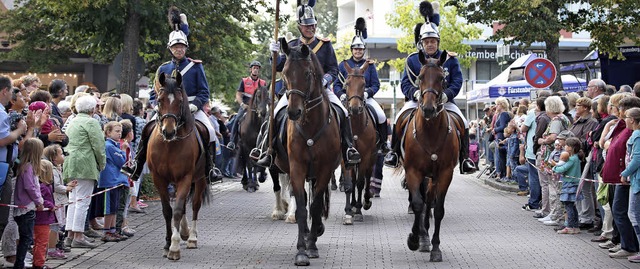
483 228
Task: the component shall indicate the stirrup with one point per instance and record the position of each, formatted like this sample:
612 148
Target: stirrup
215 175
231 146
127 171
391 159
255 154
266 161
354 157
467 166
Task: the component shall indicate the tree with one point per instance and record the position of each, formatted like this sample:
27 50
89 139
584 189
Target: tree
525 22
95 28
327 15
405 16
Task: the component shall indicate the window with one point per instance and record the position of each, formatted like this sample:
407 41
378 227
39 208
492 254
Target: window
487 70
383 73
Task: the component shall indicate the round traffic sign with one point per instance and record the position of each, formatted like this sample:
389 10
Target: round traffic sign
540 73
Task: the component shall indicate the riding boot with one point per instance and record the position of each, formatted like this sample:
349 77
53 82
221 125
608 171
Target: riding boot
266 160
466 164
391 159
351 156
383 131
213 173
232 139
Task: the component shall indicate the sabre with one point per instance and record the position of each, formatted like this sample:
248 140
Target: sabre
273 78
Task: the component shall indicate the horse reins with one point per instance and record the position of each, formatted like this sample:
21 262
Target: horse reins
439 105
359 97
179 119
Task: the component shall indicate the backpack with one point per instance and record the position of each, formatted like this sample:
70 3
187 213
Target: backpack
473 152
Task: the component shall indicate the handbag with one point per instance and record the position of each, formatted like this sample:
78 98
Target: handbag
602 194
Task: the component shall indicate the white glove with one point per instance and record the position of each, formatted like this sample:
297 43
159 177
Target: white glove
274 46
416 94
366 95
436 7
326 79
183 19
444 99
193 108
343 97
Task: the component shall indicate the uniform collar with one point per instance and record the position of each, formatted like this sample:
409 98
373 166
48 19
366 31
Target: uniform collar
358 62
435 55
314 39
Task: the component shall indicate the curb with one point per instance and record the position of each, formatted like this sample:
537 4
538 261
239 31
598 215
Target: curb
501 186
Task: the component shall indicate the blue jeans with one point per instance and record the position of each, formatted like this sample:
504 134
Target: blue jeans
572 214
520 175
634 213
535 192
620 207
25 230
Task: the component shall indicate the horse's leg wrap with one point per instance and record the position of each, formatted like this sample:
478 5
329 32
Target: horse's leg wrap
141 153
351 155
466 165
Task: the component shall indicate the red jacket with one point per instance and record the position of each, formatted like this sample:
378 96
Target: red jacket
614 163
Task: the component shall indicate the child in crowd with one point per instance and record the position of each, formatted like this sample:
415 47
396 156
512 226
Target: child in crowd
27 195
632 173
110 177
55 155
513 150
44 218
125 199
570 171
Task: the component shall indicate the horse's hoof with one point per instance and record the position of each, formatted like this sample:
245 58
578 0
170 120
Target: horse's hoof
251 189
313 253
173 255
413 242
410 210
277 215
425 244
165 252
347 220
358 217
191 244
245 187
366 205
302 260
320 230
290 219
436 256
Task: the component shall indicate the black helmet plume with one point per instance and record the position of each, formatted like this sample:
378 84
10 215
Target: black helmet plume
174 17
361 27
416 33
426 10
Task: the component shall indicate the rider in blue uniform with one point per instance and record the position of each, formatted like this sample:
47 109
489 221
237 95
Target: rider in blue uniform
372 83
194 82
427 39
326 55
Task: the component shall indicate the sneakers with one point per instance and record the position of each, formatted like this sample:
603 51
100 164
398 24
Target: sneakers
142 205
545 219
615 249
67 242
539 215
523 193
109 237
82 244
568 230
56 254
551 223
528 207
634 258
600 239
127 232
607 245
136 210
620 254
93 233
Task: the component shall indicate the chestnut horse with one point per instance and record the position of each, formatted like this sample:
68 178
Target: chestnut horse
313 150
364 132
248 135
175 156
431 147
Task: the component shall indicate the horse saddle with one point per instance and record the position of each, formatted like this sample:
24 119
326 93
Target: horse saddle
372 113
408 115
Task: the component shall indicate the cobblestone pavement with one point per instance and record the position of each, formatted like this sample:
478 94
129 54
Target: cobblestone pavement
483 228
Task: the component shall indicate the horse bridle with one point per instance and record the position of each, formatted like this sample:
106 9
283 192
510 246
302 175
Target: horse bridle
438 94
315 102
359 97
178 118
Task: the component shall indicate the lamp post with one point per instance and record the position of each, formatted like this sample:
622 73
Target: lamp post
394 83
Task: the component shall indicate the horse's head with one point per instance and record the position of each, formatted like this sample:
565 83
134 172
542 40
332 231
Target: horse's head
259 101
354 86
173 105
302 75
431 82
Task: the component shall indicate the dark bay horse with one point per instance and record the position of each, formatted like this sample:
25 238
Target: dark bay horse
364 132
313 148
250 126
175 156
431 147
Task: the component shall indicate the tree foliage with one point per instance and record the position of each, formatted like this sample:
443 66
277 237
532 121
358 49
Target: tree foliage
405 16
95 28
525 22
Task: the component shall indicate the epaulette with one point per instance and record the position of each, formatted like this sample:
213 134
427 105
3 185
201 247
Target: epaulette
371 61
324 39
195 61
452 54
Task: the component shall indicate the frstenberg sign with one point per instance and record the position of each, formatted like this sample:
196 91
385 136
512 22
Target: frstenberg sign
513 55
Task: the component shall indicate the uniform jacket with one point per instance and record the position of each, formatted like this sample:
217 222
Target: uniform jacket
326 55
86 149
194 81
372 82
452 72
116 158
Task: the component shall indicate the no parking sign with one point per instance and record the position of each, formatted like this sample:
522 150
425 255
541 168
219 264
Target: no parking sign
540 73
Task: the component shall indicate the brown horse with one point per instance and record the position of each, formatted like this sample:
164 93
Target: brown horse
249 128
313 145
431 147
175 156
364 132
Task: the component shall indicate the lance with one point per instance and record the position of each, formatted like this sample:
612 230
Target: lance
274 63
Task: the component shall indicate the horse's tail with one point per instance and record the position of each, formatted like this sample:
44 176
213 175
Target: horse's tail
206 194
325 205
